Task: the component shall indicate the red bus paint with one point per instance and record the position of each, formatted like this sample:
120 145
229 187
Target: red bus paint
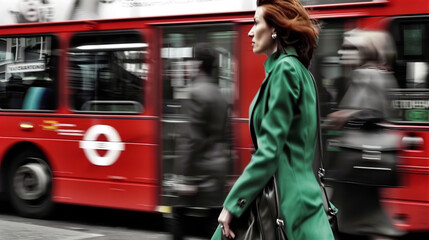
52 140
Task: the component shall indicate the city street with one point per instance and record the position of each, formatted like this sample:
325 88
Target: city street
147 104
75 223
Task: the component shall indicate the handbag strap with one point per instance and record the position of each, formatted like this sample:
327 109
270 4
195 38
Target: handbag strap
279 221
321 172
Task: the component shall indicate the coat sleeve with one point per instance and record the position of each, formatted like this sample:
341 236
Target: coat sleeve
271 132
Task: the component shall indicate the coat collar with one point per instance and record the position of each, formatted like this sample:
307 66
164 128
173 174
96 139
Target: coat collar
272 60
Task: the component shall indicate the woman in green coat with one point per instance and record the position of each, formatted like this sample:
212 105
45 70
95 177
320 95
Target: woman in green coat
283 125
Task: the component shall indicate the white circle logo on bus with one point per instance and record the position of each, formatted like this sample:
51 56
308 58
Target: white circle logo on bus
113 145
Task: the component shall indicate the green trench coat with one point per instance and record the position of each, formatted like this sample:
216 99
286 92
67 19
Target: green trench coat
283 128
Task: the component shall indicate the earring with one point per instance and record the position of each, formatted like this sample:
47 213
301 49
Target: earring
274 36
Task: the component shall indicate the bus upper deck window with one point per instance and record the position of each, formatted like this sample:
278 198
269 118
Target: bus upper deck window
107 72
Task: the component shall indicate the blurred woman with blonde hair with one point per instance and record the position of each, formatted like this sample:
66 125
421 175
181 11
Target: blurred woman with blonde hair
365 104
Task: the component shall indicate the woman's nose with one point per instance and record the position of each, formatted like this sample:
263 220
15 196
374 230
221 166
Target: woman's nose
250 33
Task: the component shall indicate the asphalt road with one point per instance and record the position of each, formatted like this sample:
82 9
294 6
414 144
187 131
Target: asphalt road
76 223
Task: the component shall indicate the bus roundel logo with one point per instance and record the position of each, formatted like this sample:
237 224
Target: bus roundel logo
113 145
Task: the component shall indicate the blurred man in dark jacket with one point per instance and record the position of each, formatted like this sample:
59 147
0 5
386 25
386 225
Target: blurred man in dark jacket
204 163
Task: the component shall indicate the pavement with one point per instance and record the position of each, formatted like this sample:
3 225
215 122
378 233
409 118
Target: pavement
16 230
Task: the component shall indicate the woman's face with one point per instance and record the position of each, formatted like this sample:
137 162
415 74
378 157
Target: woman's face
260 33
350 54
28 9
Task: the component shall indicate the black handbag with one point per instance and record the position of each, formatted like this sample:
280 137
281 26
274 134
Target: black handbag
262 219
364 156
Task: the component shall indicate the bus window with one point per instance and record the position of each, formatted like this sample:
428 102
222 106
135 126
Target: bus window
107 71
179 70
411 69
413 40
28 73
179 67
410 35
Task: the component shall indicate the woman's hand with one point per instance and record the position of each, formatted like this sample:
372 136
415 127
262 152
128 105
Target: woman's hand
338 119
224 220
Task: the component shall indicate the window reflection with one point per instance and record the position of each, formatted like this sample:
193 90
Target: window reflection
179 70
28 73
106 72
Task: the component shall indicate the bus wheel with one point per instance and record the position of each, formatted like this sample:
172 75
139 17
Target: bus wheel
30 185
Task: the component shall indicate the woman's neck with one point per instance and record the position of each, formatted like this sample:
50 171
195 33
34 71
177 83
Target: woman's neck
271 51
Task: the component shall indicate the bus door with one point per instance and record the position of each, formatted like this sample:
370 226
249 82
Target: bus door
409 204
109 148
179 68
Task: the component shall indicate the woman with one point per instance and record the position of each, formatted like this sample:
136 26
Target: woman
371 55
283 124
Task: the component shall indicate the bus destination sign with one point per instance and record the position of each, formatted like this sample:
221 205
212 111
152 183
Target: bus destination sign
26 67
410 105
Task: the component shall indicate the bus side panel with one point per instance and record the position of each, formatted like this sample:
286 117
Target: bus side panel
131 181
408 204
251 74
132 196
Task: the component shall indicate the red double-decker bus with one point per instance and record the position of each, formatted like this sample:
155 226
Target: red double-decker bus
91 110
90 102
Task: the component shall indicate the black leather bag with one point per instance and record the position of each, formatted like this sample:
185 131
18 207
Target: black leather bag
261 221
365 157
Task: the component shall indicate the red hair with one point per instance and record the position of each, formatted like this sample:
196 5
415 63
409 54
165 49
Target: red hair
293 26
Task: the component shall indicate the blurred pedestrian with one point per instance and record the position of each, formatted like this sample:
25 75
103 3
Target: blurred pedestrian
204 162
371 55
283 124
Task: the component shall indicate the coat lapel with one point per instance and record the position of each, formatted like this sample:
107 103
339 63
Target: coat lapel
255 101
269 64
